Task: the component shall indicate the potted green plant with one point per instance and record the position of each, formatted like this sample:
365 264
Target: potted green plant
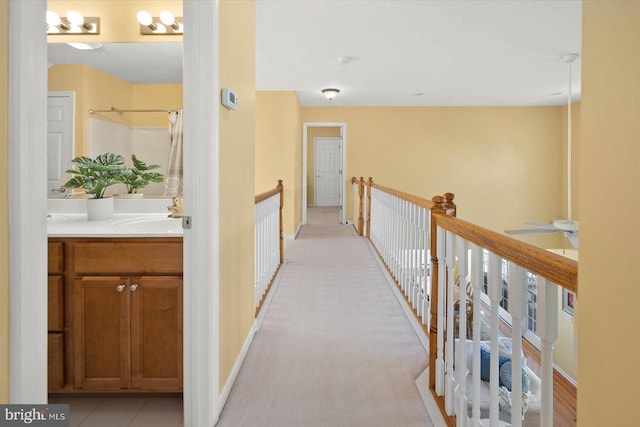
94 176
139 176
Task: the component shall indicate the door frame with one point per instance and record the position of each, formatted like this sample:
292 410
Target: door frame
315 163
343 186
28 207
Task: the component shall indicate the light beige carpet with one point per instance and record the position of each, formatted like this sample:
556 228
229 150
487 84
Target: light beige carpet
323 215
335 348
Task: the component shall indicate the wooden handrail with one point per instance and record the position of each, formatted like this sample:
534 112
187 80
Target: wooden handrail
556 268
264 196
260 198
424 203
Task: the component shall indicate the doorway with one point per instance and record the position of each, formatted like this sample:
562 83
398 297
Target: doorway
60 127
324 182
28 285
327 169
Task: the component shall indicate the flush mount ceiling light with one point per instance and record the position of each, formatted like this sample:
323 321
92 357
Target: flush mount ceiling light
165 24
330 93
73 23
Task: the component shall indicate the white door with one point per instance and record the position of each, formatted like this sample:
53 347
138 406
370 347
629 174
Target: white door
328 173
60 106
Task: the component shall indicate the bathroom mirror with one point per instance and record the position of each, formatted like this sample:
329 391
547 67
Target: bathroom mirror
127 76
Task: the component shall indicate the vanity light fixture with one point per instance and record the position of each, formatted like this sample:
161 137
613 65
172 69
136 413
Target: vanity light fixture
165 24
73 23
330 93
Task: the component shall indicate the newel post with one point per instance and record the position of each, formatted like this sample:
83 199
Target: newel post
437 209
450 206
280 188
370 185
360 213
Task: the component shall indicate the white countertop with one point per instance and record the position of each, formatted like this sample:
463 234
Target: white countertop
121 225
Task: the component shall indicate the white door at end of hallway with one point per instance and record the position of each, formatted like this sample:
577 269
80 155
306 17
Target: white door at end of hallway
328 174
59 140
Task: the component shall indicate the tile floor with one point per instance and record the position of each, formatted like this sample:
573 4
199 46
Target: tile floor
123 411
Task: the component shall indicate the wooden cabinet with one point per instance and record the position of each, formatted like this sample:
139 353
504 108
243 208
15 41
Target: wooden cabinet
128 332
123 315
55 316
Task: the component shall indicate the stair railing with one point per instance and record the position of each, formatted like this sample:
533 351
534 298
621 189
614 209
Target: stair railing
269 250
459 251
398 226
435 259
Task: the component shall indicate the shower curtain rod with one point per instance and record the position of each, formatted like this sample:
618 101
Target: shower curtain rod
121 112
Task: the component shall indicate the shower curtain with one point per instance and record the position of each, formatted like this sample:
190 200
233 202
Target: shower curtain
173 181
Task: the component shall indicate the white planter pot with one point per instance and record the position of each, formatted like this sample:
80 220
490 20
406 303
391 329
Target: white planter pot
98 209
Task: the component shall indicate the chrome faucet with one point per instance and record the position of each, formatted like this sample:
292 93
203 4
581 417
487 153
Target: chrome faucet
176 208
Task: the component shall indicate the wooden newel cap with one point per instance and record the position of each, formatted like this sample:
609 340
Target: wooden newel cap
449 197
279 182
438 204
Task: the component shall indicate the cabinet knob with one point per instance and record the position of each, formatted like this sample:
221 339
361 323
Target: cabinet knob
120 288
133 287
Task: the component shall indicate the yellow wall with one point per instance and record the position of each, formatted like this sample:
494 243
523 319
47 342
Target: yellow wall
503 163
97 90
4 202
237 185
153 97
118 21
315 132
608 326
279 151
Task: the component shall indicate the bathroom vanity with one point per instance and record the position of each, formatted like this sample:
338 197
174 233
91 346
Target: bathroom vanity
115 304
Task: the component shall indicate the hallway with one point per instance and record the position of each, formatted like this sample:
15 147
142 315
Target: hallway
335 347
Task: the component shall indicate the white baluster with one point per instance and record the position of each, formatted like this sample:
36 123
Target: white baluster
461 365
495 295
477 280
517 309
423 266
442 299
547 302
449 355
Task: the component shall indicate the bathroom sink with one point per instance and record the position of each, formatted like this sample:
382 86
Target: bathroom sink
155 225
131 225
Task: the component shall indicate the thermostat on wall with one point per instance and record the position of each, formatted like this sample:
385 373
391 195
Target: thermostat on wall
229 99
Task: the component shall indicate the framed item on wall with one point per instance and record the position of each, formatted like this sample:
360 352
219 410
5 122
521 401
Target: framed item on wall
568 301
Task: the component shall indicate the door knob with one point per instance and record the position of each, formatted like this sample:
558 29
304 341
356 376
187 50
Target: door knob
120 288
133 287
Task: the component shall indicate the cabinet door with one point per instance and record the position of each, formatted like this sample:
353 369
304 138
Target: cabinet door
156 333
101 327
55 361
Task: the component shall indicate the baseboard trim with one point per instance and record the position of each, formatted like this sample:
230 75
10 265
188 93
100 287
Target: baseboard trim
255 327
293 236
422 382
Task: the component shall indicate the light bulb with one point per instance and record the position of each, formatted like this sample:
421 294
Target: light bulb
53 19
167 17
144 18
75 18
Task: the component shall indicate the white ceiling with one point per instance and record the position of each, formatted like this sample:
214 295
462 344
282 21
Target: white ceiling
505 52
454 52
132 62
